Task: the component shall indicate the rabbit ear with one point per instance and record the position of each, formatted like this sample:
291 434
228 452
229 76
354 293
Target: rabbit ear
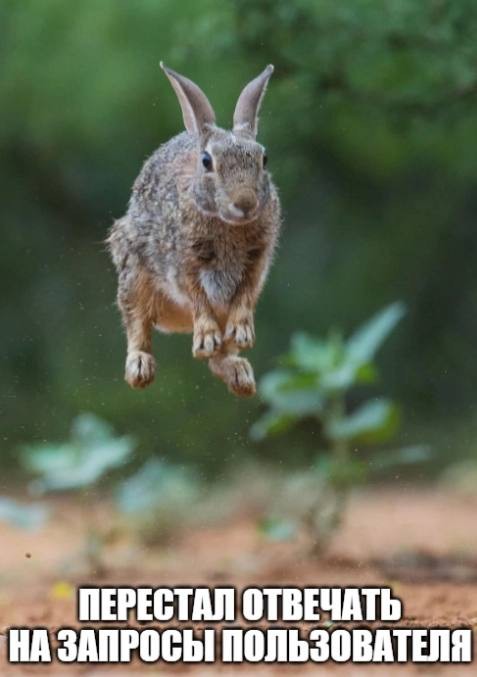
196 109
249 101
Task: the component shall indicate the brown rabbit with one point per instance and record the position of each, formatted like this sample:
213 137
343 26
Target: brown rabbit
194 248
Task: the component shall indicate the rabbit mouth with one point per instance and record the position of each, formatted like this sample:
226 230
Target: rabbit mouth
236 216
233 216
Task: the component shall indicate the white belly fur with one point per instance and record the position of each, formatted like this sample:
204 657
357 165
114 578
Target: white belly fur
174 293
219 287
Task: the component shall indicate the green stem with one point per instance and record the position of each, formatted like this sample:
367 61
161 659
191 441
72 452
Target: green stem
340 452
339 447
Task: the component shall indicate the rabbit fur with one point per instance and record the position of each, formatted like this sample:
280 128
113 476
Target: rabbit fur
193 250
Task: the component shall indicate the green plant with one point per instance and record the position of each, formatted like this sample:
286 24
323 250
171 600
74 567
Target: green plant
316 379
28 516
159 499
77 465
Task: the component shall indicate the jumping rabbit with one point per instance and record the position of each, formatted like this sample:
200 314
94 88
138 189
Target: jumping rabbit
193 250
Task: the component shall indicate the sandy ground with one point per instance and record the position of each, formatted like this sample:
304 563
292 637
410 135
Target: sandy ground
422 543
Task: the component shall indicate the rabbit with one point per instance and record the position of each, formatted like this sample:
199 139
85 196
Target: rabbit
194 249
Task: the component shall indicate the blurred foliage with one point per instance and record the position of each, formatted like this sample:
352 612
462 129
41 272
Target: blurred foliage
78 464
155 503
317 378
159 500
370 123
317 381
28 516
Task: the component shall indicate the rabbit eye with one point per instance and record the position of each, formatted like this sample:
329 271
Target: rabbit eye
265 160
207 160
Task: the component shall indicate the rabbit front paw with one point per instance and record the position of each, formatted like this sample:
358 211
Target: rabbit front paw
207 338
240 329
140 369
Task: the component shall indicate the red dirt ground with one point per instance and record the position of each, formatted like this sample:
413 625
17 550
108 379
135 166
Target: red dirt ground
422 543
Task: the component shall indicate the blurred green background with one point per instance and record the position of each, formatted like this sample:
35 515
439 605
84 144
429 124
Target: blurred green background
371 127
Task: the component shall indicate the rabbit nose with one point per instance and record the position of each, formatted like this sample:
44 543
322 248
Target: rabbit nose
245 201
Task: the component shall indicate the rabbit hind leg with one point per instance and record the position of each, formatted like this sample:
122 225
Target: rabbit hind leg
140 363
136 304
235 371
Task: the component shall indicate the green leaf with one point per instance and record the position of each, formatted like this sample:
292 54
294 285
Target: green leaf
348 374
158 484
92 451
311 354
363 344
299 380
342 378
411 455
29 517
291 393
271 423
276 529
89 429
374 421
